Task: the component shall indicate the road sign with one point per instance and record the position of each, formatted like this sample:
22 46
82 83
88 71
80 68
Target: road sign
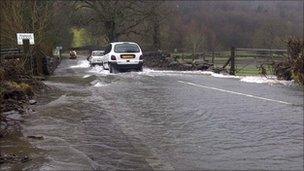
21 36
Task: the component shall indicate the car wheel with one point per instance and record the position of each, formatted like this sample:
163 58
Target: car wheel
113 69
140 68
104 66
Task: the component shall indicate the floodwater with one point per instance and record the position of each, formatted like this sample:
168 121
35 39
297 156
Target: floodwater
150 120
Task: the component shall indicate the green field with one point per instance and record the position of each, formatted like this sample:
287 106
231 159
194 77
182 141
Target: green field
248 72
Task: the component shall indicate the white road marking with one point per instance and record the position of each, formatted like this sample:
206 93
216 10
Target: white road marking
234 92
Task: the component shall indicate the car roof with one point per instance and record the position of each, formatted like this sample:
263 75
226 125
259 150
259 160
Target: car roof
115 43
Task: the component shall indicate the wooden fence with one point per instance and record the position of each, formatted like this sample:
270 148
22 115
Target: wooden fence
253 60
34 60
241 61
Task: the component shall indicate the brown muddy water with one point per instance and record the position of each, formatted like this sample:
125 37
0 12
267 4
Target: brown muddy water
149 120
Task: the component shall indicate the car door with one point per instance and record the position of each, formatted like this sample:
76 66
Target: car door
105 57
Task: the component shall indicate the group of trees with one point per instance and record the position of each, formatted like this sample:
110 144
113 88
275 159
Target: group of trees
235 23
193 25
111 21
168 25
46 19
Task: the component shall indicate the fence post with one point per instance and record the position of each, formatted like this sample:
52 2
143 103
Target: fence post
27 55
232 61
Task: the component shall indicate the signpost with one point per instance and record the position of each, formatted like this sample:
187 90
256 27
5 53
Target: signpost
57 51
22 36
26 39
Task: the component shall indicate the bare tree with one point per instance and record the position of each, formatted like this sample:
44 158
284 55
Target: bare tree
195 36
24 16
158 13
117 18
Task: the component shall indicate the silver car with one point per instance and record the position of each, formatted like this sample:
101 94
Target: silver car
95 58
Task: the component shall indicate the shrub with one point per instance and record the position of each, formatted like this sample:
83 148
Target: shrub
293 66
296 51
2 74
27 89
12 89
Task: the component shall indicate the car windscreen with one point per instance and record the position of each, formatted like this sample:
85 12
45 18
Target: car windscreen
126 48
97 53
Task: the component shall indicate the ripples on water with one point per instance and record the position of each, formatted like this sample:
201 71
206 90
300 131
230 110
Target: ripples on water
147 120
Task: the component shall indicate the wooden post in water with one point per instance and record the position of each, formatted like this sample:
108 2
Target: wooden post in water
212 58
232 61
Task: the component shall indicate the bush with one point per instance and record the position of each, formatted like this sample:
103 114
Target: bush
2 74
293 66
27 89
283 70
12 88
298 69
296 51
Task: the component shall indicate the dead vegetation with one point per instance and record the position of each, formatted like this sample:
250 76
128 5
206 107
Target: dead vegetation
165 61
16 89
293 67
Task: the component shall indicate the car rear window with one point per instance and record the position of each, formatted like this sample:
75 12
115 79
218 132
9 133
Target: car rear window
126 48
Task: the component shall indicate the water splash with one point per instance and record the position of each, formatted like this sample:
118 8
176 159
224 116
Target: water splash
99 70
81 64
97 83
86 76
269 80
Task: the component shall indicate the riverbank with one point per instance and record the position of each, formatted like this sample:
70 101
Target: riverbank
17 153
19 92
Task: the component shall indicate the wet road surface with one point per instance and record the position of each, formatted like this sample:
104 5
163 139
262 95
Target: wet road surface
166 120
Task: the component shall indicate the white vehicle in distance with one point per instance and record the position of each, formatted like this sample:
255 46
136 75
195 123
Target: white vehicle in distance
122 55
96 57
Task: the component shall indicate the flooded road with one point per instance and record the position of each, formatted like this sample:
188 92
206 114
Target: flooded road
166 120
